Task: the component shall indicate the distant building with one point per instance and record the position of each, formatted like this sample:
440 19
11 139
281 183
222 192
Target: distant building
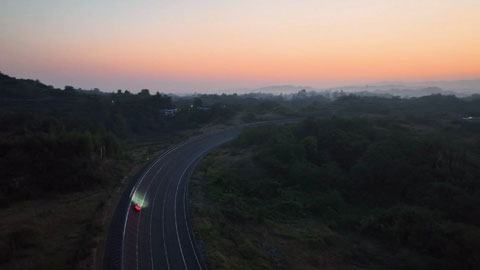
170 112
471 119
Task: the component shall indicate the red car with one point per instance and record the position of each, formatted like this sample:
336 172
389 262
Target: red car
137 207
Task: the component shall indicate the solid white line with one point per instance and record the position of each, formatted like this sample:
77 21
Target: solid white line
139 184
135 188
175 216
141 205
163 222
151 218
185 201
175 211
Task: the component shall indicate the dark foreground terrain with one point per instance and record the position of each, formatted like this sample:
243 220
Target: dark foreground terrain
341 194
67 154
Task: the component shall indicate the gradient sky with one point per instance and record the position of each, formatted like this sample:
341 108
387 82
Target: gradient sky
210 45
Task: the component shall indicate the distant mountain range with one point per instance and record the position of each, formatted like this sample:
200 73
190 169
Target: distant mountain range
403 89
456 86
286 89
416 92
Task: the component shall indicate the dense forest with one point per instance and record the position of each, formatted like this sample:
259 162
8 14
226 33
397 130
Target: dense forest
53 139
376 193
405 159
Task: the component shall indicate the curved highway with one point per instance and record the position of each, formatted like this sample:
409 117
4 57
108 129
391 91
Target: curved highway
159 236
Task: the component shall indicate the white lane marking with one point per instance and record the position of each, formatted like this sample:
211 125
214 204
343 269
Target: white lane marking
185 201
141 205
163 222
134 189
151 218
175 211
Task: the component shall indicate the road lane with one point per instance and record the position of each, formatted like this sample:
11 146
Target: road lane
160 235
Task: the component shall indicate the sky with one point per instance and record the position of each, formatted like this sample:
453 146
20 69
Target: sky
213 45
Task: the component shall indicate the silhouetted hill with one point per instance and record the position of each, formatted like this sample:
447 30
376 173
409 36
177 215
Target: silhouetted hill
11 87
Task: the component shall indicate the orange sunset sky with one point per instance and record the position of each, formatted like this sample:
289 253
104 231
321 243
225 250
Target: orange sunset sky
205 46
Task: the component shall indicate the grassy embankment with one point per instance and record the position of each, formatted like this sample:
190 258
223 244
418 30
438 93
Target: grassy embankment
68 231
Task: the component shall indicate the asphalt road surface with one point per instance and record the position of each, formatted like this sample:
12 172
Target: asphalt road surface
160 236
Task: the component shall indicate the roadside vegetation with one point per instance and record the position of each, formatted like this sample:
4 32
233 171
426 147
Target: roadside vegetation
342 193
65 156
